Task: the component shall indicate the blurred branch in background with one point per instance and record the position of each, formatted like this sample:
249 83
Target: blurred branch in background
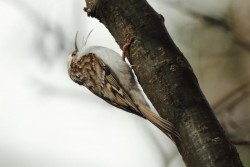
225 22
242 90
51 40
51 44
233 117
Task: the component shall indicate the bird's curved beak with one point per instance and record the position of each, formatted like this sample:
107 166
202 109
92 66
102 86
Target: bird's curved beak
76 48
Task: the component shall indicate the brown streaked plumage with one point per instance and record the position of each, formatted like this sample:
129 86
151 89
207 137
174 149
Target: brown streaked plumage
106 75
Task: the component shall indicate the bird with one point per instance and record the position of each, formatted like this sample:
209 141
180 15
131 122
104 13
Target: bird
106 74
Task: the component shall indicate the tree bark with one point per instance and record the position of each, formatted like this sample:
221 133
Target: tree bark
168 80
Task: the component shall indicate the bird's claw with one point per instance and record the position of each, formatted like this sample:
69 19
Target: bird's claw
126 46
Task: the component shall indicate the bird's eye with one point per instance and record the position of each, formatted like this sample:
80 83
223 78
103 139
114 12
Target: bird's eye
74 53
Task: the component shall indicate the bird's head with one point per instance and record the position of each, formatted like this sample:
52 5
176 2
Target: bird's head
76 54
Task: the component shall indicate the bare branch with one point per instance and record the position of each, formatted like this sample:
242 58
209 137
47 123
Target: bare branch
240 142
168 80
240 89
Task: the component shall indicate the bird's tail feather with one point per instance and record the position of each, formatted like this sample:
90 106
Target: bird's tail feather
163 124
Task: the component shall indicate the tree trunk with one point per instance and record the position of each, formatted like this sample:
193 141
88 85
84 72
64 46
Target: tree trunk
168 80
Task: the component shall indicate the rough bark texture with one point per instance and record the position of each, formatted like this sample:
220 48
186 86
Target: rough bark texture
168 80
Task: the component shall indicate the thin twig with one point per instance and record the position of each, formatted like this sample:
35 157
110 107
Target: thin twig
235 142
230 94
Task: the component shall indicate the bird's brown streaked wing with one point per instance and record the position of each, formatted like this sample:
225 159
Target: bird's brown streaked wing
114 86
91 72
103 82
123 98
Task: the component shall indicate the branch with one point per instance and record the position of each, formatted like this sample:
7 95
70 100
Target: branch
239 90
244 143
168 80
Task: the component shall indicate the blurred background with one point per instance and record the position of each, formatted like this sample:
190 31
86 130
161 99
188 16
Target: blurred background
47 120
